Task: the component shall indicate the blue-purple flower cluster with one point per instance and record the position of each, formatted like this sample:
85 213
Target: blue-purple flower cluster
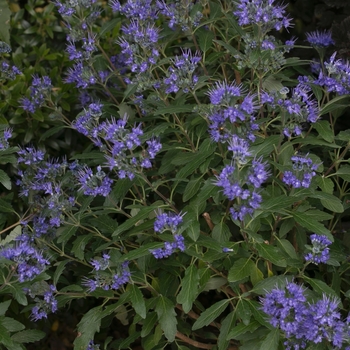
105 280
180 13
231 113
298 109
169 222
39 90
319 252
9 71
336 77
180 75
303 322
265 13
4 136
44 305
41 180
235 188
94 184
320 39
29 260
139 46
303 170
80 15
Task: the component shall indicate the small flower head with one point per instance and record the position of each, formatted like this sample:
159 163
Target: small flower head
264 13
167 221
319 251
303 170
319 39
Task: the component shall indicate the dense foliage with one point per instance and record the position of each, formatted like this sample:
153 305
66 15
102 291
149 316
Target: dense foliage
173 177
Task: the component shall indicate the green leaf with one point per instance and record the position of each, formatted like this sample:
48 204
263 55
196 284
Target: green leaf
241 328
174 109
240 269
109 26
226 325
344 173
266 147
271 84
148 324
137 301
326 184
60 268
193 231
277 203
120 189
271 340
243 311
5 17
66 233
11 325
271 253
191 189
304 220
142 251
206 150
90 155
228 47
335 103
5 207
129 223
329 201
323 127
288 248
28 336
286 227
5 338
344 135
52 131
205 39
5 180
270 283
4 306
210 314
167 317
19 295
105 224
12 236
87 327
79 244
320 286
221 232
189 288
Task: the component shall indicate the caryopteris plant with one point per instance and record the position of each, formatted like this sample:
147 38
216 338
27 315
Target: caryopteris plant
205 203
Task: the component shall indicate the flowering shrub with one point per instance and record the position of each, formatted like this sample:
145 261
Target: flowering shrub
205 203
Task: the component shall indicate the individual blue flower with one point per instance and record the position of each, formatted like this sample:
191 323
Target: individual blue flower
319 251
320 39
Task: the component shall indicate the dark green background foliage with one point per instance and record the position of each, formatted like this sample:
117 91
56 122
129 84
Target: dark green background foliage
203 295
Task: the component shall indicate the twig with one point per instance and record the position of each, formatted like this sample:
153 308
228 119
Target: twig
194 342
